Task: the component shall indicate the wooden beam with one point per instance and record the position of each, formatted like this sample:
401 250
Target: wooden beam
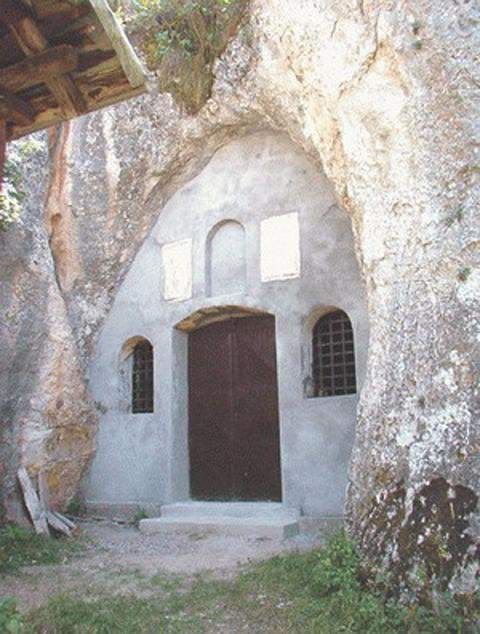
128 59
37 512
16 110
91 59
12 11
39 68
32 41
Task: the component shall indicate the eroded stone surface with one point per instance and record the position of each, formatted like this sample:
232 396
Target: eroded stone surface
383 96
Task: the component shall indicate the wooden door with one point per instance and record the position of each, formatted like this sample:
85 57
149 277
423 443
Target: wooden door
233 411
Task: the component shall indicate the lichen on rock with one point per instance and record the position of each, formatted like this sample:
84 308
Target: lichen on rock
394 126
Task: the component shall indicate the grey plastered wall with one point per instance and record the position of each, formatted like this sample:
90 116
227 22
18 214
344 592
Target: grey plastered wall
142 459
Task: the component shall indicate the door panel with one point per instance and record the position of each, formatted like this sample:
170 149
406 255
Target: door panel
233 410
210 409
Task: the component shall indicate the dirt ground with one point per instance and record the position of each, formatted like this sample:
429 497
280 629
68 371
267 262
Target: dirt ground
118 559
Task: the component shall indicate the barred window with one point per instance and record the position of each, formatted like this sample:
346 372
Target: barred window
142 378
333 356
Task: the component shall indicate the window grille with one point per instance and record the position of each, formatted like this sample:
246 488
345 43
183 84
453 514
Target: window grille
333 356
142 378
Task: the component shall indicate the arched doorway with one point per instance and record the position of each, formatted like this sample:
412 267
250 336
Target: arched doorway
234 445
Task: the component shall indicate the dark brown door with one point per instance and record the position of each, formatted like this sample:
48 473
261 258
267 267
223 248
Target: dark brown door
233 411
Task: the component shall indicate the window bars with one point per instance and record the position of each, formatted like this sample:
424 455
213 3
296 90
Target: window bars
142 378
333 364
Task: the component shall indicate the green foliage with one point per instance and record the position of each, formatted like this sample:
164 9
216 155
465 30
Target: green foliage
21 547
182 40
112 614
457 216
416 26
11 621
321 592
13 194
75 508
338 567
464 273
141 514
349 604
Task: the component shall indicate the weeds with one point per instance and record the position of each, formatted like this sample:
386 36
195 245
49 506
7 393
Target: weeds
183 38
321 592
140 514
21 547
464 273
11 621
75 508
457 216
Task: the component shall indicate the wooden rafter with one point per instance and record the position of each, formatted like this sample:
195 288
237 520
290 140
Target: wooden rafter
39 68
59 59
14 109
32 42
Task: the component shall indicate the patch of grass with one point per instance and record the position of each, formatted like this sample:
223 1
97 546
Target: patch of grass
197 537
118 614
320 592
140 514
165 583
75 507
22 547
11 620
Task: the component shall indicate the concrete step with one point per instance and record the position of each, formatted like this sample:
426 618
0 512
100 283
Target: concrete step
261 510
271 527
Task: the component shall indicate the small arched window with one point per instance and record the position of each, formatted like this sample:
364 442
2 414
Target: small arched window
142 378
333 356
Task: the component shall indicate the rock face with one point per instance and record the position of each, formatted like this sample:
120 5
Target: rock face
383 96
46 419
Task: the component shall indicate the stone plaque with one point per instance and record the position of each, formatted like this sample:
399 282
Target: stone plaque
177 268
280 248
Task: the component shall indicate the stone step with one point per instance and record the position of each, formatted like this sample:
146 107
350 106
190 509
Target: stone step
264 510
270 527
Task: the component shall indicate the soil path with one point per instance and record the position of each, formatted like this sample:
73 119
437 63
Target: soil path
120 560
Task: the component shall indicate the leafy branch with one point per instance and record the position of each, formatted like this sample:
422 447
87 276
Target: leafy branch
182 41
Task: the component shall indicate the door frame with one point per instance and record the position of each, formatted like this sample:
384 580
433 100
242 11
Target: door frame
245 465
178 467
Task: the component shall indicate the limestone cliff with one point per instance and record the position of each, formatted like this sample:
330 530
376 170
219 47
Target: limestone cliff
382 96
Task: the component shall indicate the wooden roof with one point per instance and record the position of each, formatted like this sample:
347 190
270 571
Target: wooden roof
60 59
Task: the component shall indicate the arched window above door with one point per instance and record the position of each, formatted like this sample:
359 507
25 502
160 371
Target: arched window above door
142 378
333 359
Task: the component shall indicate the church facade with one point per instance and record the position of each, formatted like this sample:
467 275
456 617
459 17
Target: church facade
230 364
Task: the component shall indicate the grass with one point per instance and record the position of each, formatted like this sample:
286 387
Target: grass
21 547
318 592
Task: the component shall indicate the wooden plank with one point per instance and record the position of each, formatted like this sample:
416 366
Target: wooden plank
32 41
43 491
94 58
39 68
33 503
47 118
128 59
65 520
58 524
69 98
16 110
12 12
